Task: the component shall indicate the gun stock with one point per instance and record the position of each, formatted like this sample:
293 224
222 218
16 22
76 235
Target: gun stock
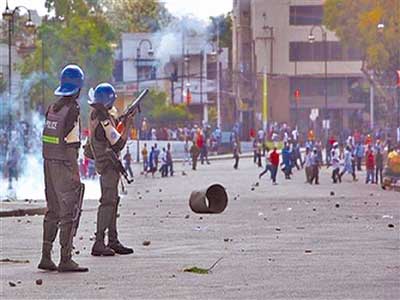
77 210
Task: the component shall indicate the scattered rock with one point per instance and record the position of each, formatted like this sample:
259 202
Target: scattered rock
314 209
173 276
146 243
257 184
226 240
265 219
118 215
81 238
101 287
187 217
19 220
19 282
200 218
308 251
371 194
91 238
140 197
252 189
28 221
278 229
12 284
337 205
77 252
160 201
365 202
169 212
160 190
332 193
390 225
147 191
133 214
39 281
377 203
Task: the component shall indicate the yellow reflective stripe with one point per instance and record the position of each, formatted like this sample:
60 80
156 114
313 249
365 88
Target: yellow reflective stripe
50 139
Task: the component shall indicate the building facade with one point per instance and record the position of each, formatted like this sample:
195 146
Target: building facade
272 37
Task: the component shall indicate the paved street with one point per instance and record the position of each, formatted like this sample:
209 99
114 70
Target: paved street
287 241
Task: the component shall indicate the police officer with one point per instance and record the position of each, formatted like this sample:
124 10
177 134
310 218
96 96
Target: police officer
106 143
61 142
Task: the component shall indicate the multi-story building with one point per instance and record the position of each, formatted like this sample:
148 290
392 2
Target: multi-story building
272 37
184 67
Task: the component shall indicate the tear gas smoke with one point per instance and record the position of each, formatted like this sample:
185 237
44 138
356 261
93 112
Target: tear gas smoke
25 139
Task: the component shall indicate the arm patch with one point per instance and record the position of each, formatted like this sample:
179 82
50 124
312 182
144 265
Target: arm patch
111 133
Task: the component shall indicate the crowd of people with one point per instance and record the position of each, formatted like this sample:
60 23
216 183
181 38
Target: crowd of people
342 156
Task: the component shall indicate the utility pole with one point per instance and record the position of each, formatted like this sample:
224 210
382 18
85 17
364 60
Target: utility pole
183 65
218 84
371 103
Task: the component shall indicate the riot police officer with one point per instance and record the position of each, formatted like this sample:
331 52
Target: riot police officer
105 144
61 142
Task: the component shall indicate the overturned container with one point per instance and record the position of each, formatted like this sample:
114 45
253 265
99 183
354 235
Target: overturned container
209 201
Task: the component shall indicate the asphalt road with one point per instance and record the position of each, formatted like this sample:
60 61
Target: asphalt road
290 241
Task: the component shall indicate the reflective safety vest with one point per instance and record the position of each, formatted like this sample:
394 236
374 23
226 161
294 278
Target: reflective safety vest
54 141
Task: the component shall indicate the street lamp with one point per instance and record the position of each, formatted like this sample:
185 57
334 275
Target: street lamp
311 39
150 53
8 15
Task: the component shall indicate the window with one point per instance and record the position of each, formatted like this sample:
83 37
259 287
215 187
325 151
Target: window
306 15
315 87
147 69
305 51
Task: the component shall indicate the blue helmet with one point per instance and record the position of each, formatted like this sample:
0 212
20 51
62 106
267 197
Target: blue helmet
103 94
71 81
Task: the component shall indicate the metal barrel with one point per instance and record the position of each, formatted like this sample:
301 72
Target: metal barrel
212 200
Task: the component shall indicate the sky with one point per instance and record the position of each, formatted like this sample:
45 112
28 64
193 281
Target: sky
201 9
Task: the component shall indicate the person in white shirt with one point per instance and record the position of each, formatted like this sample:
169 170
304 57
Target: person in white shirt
163 159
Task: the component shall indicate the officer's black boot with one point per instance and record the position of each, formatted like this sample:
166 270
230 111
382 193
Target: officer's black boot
113 241
50 229
104 216
66 263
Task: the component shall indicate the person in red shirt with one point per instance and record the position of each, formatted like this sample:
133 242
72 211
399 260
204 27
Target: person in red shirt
199 140
370 165
274 159
368 140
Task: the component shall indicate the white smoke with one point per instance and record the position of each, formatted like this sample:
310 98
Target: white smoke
192 32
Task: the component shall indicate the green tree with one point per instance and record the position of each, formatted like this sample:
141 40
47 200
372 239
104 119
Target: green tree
157 110
355 23
81 37
136 15
223 23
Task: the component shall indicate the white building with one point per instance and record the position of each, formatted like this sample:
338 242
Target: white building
187 73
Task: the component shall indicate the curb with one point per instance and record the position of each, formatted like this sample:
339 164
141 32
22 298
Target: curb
23 212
